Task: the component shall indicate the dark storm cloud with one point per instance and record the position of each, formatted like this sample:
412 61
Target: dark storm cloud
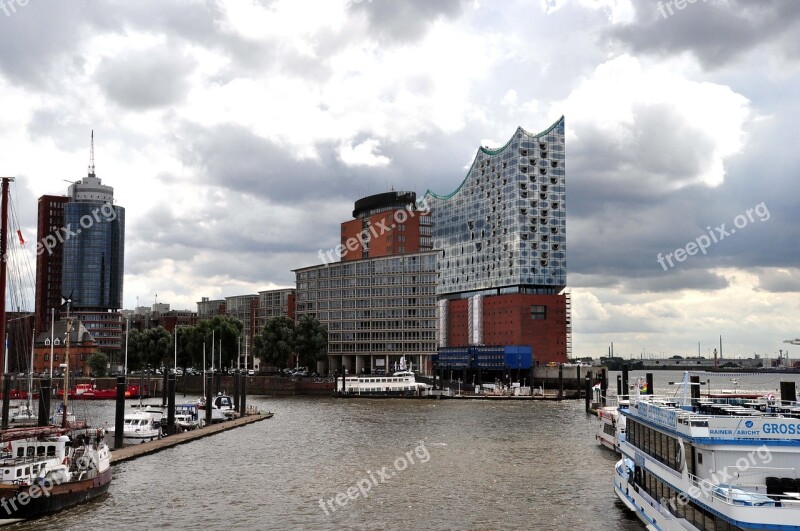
779 280
716 32
404 21
43 41
235 158
145 79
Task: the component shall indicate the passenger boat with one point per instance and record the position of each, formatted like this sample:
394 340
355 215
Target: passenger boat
402 383
44 470
693 464
612 428
138 427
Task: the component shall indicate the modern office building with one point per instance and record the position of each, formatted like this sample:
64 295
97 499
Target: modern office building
502 237
377 310
274 303
50 220
207 308
379 301
85 262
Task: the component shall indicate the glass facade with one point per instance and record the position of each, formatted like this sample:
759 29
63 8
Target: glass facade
94 255
505 226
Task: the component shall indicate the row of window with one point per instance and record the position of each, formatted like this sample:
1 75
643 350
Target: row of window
681 506
656 444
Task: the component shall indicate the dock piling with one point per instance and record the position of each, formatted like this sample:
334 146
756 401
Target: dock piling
236 378
560 381
625 389
243 395
44 402
119 415
587 389
171 405
209 397
649 379
788 392
603 384
164 389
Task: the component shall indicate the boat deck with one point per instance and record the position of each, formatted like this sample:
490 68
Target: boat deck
132 452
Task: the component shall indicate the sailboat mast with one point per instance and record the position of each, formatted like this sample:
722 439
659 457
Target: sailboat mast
3 252
66 371
30 371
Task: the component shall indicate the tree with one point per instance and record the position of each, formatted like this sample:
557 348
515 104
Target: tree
149 347
311 341
97 363
219 327
275 342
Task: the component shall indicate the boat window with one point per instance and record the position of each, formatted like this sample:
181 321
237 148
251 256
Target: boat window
51 450
31 451
699 458
27 471
40 450
19 472
20 452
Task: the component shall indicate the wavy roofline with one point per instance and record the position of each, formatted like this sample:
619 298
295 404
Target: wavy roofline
491 152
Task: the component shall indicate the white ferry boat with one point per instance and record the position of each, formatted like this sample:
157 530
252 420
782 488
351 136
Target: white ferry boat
402 383
612 427
693 464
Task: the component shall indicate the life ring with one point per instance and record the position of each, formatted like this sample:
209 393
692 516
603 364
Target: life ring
66 461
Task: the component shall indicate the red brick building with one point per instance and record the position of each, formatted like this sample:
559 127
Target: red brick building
516 319
82 346
385 224
50 219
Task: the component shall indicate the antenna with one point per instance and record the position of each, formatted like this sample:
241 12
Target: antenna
91 157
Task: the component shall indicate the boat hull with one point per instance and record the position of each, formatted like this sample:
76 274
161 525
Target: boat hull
57 498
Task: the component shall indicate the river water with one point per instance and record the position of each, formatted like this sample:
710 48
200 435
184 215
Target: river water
421 464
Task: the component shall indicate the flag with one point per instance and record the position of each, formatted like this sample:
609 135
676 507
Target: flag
643 388
21 239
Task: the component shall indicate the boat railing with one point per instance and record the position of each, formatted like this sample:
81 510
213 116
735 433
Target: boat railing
739 492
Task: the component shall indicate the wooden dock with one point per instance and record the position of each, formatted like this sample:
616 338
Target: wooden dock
138 450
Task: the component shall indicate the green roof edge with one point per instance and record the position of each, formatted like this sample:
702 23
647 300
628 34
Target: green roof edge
492 152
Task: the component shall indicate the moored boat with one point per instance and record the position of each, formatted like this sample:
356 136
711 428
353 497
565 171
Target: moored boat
137 428
612 428
693 464
401 383
44 470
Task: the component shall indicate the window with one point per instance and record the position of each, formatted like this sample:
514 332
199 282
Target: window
539 312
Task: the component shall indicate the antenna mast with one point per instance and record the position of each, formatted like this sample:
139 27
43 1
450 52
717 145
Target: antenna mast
91 157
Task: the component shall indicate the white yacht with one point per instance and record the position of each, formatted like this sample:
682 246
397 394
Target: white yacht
138 427
402 383
697 464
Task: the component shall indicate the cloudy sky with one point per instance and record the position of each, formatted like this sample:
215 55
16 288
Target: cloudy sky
238 133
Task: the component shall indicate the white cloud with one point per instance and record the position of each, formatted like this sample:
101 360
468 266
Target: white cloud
363 154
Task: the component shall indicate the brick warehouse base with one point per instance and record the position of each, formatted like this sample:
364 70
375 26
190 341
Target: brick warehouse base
509 320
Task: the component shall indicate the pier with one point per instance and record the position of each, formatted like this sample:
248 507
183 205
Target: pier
132 452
